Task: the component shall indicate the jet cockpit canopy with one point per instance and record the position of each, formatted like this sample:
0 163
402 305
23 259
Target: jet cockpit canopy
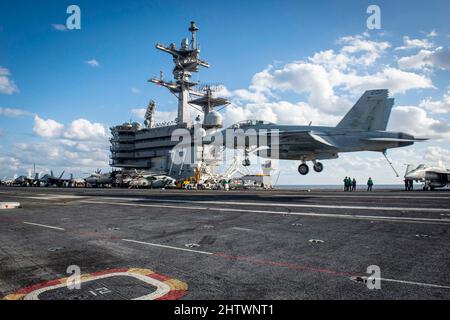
250 123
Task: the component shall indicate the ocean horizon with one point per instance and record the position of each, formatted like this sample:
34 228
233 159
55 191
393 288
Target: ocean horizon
338 187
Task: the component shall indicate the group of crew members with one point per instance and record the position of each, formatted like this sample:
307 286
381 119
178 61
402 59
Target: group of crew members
409 185
350 184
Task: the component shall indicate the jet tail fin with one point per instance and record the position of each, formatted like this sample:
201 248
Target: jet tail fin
370 113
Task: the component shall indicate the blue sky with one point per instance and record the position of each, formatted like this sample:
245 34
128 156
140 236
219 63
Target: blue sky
240 39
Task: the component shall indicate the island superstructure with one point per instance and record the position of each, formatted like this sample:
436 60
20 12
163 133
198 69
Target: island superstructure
150 147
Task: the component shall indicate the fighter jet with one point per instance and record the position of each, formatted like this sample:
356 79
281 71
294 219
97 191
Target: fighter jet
99 179
152 181
26 181
50 180
75 182
363 128
431 176
162 181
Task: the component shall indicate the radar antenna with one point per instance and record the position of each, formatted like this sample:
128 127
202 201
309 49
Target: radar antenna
149 114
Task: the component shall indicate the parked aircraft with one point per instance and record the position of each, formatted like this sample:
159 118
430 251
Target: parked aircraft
50 180
76 182
99 179
432 176
150 180
162 181
26 181
363 128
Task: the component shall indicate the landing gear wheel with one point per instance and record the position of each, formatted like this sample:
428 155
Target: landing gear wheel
246 162
303 169
318 167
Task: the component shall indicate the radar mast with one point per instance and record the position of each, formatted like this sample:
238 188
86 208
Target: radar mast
187 60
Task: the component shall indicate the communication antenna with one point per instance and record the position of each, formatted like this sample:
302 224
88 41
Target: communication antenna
193 29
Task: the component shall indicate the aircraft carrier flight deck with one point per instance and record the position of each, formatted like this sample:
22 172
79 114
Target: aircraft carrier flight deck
282 244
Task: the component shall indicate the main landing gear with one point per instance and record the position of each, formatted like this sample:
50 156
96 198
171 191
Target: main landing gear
303 169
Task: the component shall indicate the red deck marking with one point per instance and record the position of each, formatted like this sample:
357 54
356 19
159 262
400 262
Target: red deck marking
285 264
38 286
179 289
173 295
158 276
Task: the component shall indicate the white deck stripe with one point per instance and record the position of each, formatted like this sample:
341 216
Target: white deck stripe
241 229
295 205
308 214
210 253
168 247
362 197
417 283
44 226
278 193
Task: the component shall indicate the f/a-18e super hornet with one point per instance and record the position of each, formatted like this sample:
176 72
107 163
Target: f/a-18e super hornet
50 180
432 176
363 128
26 181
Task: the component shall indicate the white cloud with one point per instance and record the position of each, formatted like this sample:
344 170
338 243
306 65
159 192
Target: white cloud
93 63
416 121
315 80
281 112
13 112
439 58
9 166
47 128
7 86
437 106
415 43
397 81
418 61
435 154
79 148
371 50
59 27
432 34
331 60
82 129
62 154
248 95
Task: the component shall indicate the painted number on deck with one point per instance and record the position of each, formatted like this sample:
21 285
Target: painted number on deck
100 291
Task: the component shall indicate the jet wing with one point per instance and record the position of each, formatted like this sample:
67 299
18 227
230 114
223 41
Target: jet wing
306 140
